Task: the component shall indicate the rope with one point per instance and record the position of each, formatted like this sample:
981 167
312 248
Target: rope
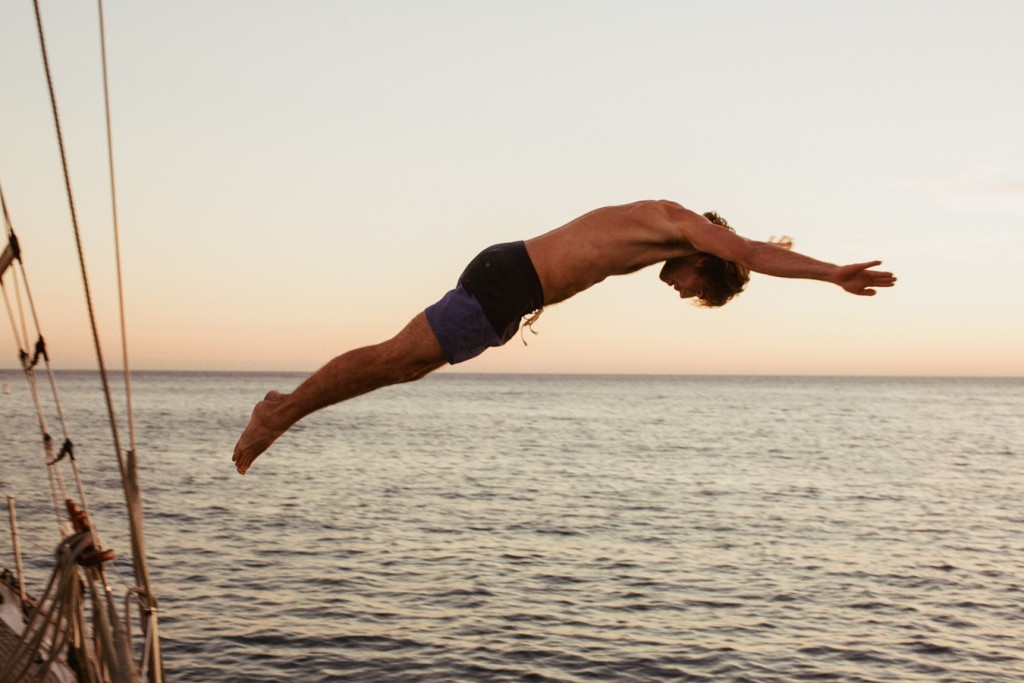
7 218
117 236
58 489
10 316
78 243
94 536
56 480
14 275
57 617
85 278
151 651
126 468
52 612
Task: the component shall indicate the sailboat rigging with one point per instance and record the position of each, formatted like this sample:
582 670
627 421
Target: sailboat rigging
55 638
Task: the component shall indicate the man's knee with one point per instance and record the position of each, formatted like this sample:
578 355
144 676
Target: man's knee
414 352
420 373
404 369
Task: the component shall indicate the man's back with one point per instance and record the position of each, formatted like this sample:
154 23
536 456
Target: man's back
614 240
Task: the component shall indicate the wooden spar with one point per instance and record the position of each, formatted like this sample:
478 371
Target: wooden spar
17 550
132 491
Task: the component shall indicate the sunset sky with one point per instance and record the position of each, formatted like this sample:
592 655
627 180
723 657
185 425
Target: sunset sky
296 179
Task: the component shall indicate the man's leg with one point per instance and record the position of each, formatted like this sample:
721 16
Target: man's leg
409 355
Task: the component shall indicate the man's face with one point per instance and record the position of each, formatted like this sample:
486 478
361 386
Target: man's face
683 275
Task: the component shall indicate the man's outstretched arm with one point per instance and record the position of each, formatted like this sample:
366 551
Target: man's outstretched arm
772 259
775 259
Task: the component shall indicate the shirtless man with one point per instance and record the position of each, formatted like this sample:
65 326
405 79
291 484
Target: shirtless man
703 259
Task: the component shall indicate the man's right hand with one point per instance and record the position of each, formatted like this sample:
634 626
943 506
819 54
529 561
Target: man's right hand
857 279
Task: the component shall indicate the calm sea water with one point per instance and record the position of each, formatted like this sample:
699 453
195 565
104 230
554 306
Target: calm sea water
554 528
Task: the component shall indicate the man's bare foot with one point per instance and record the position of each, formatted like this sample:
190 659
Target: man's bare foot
259 434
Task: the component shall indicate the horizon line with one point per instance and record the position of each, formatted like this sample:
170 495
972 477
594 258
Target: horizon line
449 371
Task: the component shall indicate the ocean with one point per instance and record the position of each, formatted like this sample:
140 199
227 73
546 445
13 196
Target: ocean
564 528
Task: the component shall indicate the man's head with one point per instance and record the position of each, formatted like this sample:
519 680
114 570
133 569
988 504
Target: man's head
711 280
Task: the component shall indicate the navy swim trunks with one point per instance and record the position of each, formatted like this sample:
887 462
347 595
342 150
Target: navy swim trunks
494 292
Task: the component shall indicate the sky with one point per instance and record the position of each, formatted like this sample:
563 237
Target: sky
298 179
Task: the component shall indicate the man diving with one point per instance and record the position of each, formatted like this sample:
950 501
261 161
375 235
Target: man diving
703 258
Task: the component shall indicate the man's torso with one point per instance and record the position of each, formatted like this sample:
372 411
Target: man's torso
614 240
